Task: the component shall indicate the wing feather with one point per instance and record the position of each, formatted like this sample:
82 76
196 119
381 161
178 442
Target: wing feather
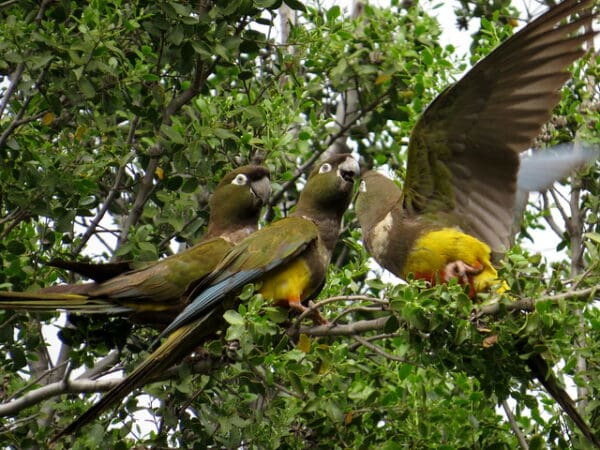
473 132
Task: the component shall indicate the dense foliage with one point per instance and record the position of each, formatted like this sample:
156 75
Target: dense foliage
118 118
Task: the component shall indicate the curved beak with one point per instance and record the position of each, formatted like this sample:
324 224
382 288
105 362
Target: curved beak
348 169
261 189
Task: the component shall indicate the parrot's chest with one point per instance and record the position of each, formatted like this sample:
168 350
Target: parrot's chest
290 282
380 236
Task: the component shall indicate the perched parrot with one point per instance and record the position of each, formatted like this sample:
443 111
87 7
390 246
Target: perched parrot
458 201
289 257
154 293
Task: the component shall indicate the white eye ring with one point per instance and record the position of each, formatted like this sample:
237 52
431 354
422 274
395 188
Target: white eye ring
363 186
325 168
240 179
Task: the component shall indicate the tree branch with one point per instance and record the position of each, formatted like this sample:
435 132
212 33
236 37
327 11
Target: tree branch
319 151
548 216
107 202
157 150
87 386
380 351
515 426
359 327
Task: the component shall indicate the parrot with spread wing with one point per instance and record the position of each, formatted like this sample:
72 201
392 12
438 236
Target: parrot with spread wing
464 170
458 200
288 257
153 293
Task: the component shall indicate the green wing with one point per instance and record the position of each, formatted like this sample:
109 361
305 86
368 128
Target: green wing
166 280
259 253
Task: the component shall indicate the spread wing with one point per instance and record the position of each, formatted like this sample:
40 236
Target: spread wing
463 153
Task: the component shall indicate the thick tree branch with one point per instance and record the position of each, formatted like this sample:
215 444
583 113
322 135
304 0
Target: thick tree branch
363 326
350 329
101 366
87 386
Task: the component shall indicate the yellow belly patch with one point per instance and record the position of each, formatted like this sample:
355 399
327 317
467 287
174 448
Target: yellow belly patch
288 283
434 250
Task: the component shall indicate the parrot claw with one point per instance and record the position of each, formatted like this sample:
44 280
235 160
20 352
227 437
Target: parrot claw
316 316
461 270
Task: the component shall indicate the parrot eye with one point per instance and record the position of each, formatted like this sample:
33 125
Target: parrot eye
325 168
363 186
240 180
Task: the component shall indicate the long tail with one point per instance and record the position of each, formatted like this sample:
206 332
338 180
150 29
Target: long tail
179 343
51 300
98 272
539 367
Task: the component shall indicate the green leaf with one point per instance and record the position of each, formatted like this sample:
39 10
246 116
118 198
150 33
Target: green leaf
295 4
174 183
224 134
16 247
333 13
87 88
172 134
181 9
593 236
233 317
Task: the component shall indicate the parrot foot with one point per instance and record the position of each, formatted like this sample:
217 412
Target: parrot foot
461 270
316 316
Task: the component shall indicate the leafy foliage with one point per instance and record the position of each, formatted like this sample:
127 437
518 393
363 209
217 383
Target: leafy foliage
117 119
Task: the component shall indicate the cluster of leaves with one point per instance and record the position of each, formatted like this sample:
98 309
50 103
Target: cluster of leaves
124 116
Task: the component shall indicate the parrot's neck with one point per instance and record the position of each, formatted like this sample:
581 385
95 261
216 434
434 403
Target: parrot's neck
328 225
231 232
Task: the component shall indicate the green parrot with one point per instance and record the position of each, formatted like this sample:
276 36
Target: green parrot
153 294
289 257
456 209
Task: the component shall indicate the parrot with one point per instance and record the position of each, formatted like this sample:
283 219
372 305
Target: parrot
456 208
152 294
288 257
455 213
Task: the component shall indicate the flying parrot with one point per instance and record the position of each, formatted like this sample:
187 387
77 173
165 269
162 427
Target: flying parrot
457 205
154 292
289 257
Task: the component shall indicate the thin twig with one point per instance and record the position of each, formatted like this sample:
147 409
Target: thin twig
561 210
548 217
34 381
375 337
346 298
279 387
317 154
528 304
352 309
380 351
515 426
107 202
